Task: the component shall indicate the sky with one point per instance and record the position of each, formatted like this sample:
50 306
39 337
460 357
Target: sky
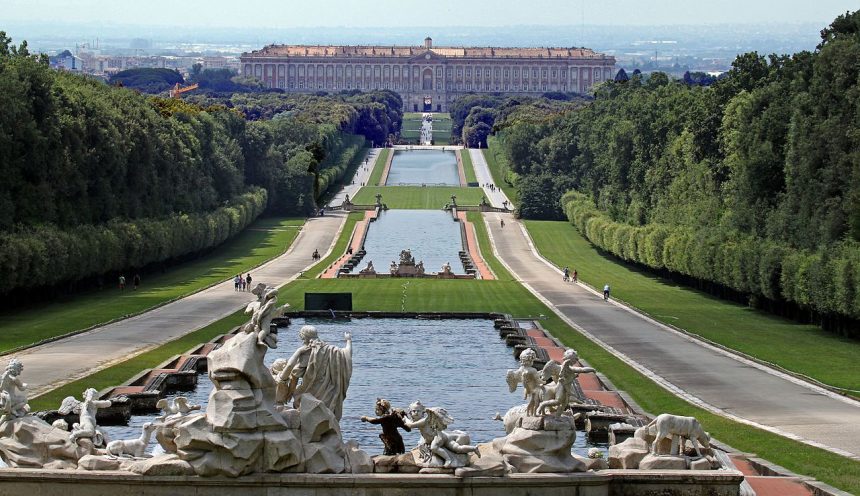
393 13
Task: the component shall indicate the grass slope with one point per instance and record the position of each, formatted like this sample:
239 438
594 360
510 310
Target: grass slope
416 197
262 241
806 349
468 168
499 167
378 167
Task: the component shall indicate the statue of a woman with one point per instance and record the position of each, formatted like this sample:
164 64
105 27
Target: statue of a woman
323 369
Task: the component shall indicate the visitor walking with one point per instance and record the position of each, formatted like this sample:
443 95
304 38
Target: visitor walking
606 292
135 281
575 276
566 274
122 282
503 223
236 283
248 280
241 283
316 255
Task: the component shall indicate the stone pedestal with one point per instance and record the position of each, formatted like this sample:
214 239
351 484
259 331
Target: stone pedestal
29 442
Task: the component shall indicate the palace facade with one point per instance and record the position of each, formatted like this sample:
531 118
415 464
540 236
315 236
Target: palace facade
428 78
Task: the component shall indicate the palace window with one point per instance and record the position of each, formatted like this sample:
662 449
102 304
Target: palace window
459 73
498 72
301 85
468 72
543 73
554 74
487 73
507 73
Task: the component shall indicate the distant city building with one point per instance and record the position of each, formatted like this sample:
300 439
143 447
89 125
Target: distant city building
67 61
428 78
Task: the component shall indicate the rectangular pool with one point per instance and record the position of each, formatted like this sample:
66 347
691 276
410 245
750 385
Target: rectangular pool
433 236
417 167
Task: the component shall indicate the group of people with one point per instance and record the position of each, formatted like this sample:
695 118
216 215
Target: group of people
489 186
135 281
567 275
574 277
242 283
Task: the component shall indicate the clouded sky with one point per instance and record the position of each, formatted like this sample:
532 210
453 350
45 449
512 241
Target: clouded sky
367 13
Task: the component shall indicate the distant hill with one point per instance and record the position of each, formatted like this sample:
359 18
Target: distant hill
148 80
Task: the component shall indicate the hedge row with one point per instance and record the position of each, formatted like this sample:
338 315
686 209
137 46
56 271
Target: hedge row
826 281
45 255
335 166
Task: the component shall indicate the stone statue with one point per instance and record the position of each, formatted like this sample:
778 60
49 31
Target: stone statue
448 446
86 428
369 269
393 267
174 408
677 428
528 377
13 392
406 257
564 376
390 420
446 268
324 371
419 268
262 311
135 448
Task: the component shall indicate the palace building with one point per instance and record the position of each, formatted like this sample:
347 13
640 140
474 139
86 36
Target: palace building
428 78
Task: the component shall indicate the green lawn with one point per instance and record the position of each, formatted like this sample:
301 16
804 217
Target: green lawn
263 240
416 197
498 164
805 349
378 167
503 295
468 168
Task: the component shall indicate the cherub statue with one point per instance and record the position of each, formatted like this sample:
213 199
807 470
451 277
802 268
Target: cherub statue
263 310
13 392
528 376
419 268
564 376
393 267
446 268
390 420
86 428
431 423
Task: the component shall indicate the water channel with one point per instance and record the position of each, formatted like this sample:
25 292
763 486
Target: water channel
456 364
417 167
433 236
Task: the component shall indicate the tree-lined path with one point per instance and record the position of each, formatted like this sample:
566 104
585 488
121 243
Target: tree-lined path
712 378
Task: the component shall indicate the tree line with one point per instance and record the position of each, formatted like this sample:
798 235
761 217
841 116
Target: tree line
750 183
85 163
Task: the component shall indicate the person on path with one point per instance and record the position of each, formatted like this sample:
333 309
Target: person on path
135 281
606 292
122 282
236 283
575 276
566 274
503 223
248 280
241 283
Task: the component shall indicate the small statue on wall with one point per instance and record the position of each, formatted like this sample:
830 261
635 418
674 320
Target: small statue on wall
390 420
564 376
86 428
13 392
528 376
436 441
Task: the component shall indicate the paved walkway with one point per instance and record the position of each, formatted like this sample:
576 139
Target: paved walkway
51 365
711 378
496 197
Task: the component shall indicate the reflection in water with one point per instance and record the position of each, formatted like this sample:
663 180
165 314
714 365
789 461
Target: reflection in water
432 235
418 167
456 364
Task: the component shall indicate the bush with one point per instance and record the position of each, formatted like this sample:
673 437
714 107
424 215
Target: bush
46 255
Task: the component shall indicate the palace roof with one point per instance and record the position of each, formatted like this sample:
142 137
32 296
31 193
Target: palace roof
373 51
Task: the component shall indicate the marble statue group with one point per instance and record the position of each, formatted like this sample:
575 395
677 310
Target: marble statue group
286 418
